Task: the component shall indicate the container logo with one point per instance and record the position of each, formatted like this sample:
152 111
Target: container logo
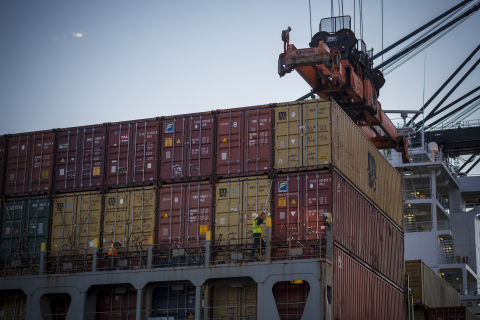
123 137
63 145
282 186
59 206
223 192
169 127
282 116
372 172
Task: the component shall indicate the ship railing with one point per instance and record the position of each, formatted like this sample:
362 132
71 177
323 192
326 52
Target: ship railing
176 313
20 264
231 310
171 254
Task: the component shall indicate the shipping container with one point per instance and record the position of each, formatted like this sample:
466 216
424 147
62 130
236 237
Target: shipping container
365 233
80 158
13 305
233 299
3 156
59 305
290 298
360 294
244 141
25 226
235 202
129 217
132 153
76 223
450 313
315 134
188 147
29 167
117 303
174 301
185 214
428 288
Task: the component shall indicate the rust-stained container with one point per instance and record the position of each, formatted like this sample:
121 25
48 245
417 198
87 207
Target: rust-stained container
13 305
450 313
117 303
188 147
129 217
313 134
132 153
360 294
3 156
365 233
76 222
233 299
80 158
428 288
29 167
236 200
185 214
290 298
244 141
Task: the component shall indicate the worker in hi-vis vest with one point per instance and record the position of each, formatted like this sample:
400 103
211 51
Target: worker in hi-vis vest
112 256
257 232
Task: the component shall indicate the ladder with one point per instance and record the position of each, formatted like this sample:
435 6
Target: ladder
409 220
408 189
449 251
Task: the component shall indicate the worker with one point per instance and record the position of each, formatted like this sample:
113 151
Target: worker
257 233
112 256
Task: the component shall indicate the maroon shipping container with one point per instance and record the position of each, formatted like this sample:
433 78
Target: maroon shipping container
185 215
119 303
244 141
188 146
450 313
290 298
29 167
80 158
365 232
3 155
359 294
132 153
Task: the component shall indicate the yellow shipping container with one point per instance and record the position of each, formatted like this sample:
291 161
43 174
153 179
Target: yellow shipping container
428 288
234 299
76 222
236 200
314 134
129 216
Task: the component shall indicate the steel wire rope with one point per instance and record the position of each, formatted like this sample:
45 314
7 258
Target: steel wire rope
455 117
310 11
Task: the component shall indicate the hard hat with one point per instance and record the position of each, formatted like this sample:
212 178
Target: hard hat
254 215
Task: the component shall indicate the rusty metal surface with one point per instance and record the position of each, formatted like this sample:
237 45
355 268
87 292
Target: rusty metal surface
132 153
80 158
359 294
244 141
29 167
187 147
185 214
367 234
290 298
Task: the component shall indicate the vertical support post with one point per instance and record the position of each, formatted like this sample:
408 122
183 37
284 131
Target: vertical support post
150 252
96 245
148 298
268 234
43 250
198 302
139 304
207 247
206 301
433 190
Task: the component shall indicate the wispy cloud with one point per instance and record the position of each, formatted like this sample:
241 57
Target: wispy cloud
59 38
78 34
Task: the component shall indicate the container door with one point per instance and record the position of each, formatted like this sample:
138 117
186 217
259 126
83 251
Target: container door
119 140
38 225
288 137
142 208
318 144
173 153
170 218
17 165
317 202
255 192
64 232
13 222
92 161
289 208
258 144
229 143
89 214
117 218
67 159
228 219
198 214
145 153
3 154
201 146
41 164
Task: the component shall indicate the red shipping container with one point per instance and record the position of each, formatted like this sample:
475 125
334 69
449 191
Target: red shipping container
365 232
132 153
119 303
188 147
290 298
359 294
450 313
185 215
29 167
3 155
244 141
80 158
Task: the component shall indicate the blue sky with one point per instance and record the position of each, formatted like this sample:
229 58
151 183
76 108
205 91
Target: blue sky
66 63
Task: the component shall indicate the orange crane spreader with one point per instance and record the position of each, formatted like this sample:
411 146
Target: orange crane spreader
338 66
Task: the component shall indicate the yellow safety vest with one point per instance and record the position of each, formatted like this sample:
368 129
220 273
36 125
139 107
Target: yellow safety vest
256 227
113 251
